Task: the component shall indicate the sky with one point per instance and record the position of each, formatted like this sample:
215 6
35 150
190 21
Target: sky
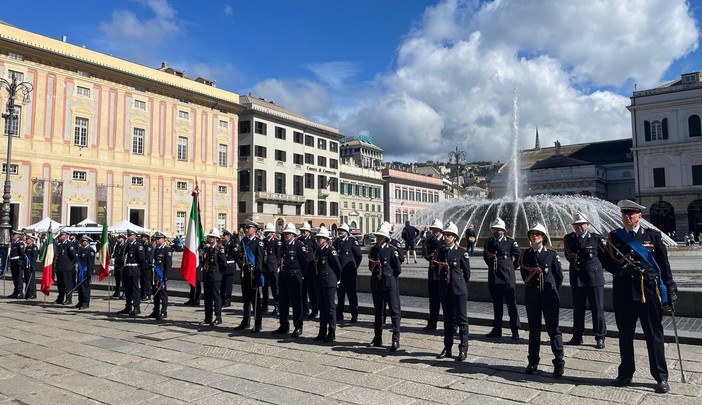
420 77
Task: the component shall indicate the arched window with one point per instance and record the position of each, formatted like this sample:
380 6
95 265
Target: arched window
694 125
663 216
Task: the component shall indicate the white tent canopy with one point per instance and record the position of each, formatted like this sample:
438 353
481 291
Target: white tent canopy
125 225
43 225
87 222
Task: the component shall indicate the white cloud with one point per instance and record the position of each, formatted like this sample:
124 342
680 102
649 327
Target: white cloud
334 74
304 97
228 10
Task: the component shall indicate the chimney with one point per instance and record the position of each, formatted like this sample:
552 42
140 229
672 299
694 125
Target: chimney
64 38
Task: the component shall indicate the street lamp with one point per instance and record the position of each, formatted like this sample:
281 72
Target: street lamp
13 89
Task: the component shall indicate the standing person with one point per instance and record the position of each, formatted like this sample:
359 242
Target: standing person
231 250
163 264
64 261
327 271
308 290
499 252
385 267
293 263
133 262
585 252
543 277
31 252
147 276
350 258
453 268
17 264
432 245
251 252
118 256
409 235
214 259
270 268
85 263
642 284
471 239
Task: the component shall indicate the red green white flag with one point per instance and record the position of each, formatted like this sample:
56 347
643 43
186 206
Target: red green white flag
47 279
194 236
104 253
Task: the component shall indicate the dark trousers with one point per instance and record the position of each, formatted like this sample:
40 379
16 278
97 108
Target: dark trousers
146 280
309 292
132 294
212 299
391 296
269 282
84 291
17 277
195 292
434 299
30 280
289 295
548 306
504 293
595 297
347 287
64 283
118 280
225 290
455 307
626 313
471 249
327 309
252 299
161 300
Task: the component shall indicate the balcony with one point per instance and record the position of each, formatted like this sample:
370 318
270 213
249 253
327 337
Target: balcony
278 198
323 193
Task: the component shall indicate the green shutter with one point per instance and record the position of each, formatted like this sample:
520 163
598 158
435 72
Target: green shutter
665 128
647 130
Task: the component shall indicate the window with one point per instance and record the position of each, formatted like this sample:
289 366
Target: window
397 193
322 181
12 126
242 207
298 159
694 127
80 175
184 115
309 207
14 169
343 188
224 124
181 185
80 135
404 193
656 130
83 73
221 221
309 180
223 154
244 180
333 163
83 91
309 140
244 150
261 151
322 144
280 155
334 209
321 161
182 148
280 133
261 128
259 180
222 189
333 146
309 158
697 175
138 141
297 137
140 104
15 56
659 177
137 181
180 222
17 75
333 184
244 127
298 185
280 183
259 207
321 207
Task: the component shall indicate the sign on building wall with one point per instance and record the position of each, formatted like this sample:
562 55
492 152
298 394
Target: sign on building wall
56 200
101 204
37 208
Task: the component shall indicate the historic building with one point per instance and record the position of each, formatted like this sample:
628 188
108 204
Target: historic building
361 197
362 151
102 137
405 194
667 150
288 167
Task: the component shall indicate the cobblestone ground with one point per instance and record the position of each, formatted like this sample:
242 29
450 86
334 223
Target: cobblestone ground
57 355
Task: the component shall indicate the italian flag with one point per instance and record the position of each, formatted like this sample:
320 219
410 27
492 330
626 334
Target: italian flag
47 279
193 237
104 253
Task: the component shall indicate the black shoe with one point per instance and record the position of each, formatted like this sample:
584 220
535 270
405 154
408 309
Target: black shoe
255 329
297 332
153 314
354 319
531 369
444 353
115 295
125 311
494 333
319 337
375 343
558 369
429 327
13 295
455 330
206 322
226 304
331 336
241 326
395 345
312 315
84 306
188 303
68 302
662 387
621 381
275 311
20 296
58 302
600 344
121 296
515 335
164 315
216 322
134 313
462 356
30 297
78 305
575 341
281 330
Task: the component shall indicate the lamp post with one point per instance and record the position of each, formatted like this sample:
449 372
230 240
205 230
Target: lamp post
13 89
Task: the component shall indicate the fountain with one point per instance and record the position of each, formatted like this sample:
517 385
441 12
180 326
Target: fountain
520 213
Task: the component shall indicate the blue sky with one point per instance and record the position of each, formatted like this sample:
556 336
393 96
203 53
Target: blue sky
421 77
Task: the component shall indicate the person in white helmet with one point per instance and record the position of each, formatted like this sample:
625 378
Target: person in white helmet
327 272
385 266
272 246
432 246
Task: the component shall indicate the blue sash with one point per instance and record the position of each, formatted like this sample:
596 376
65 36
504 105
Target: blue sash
159 274
249 253
646 256
82 272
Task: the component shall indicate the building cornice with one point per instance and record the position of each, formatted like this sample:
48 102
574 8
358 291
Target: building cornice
664 104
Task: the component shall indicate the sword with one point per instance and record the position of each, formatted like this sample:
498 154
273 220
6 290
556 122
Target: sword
677 342
154 296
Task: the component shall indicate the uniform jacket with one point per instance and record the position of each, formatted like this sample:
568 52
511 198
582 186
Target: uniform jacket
272 246
118 254
32 253
251 272
384 264
294 257
349 250
431 247
327 267
585 256
214 259
541 272
148 256
133 255
65 258
453 268
17 254
231 250
500 255
86 258
311 248
163 258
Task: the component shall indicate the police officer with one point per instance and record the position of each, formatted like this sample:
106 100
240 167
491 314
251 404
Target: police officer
85 263
308 290
432 245
294 261
272 246
133 263
350 258
17 264
213 260
31 252
585 252
251 252
147 277
499 252
231 250
385 266
64 261
163 263
642 282
542 274
453 267
328 271
118 257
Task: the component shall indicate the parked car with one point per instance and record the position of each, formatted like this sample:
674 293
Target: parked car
368 239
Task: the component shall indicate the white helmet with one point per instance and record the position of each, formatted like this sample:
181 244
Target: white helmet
269 228
290 228
579 218
382 231
345 227
437 225
306 227
451 228
323 233
499 223
539 228
214 233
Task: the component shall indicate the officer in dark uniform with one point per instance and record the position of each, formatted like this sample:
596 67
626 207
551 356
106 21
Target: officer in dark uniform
118 256
17 264
294 261
585 252
543 277
270 267
213 260
308 290
231 250
350 258
328 272
147 276
163 264
64 261
85 263
639 290
453 267
432 245
499 252
133 263
31 252
385 267
251 254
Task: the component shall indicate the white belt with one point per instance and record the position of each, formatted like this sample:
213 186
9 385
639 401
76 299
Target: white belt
231 261
131 265
15 257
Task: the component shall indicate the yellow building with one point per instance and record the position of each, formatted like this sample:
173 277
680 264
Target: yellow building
104 136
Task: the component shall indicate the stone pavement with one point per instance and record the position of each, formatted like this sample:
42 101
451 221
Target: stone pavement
58 355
